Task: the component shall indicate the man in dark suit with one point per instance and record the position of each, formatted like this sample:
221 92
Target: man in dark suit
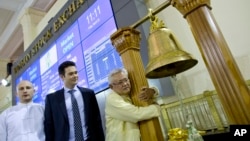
59 111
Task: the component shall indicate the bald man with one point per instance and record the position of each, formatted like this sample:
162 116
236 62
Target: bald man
24 121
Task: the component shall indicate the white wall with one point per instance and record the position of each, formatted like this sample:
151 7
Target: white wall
5 98
51 13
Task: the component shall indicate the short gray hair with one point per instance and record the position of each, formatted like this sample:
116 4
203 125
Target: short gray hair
116 71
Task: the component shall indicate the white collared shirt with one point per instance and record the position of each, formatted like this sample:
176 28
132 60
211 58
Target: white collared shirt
80 103
22 122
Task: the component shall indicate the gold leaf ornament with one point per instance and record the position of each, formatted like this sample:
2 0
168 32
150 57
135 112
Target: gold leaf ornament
177 134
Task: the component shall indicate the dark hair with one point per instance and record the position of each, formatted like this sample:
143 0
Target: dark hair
65 64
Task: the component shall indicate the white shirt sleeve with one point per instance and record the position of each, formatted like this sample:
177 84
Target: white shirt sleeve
3 128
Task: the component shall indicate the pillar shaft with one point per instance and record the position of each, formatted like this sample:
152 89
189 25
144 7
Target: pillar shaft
29 20
227 79
127 44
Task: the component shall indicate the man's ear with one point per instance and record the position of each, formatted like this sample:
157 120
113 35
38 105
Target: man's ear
110 86
61 76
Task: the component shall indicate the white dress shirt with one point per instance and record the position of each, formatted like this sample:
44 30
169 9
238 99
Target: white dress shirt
22 122
80 103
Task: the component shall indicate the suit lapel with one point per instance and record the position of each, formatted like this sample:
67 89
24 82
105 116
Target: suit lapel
85 102
61 101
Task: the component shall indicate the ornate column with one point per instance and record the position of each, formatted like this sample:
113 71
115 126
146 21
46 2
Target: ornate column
228 81
29 19
127 43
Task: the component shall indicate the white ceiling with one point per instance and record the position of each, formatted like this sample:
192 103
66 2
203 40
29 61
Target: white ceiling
11 34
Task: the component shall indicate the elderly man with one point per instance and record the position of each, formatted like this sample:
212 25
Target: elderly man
121 115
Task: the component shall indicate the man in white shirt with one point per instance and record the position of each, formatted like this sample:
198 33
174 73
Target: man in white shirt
24 121
122 116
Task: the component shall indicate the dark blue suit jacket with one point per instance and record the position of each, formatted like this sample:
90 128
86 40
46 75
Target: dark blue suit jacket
56 124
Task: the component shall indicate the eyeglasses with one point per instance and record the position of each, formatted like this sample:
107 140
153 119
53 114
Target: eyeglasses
125 80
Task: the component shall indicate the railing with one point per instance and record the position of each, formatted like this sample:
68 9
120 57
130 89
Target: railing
205 110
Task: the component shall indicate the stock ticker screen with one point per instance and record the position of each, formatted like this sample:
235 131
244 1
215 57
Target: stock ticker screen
87 43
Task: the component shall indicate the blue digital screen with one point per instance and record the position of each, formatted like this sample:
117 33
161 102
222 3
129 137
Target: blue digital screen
76 55
94 17
37 98
87 43
33 72
69 40
82 79
48 59
21 77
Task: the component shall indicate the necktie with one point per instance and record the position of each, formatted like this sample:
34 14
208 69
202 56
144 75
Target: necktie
77 119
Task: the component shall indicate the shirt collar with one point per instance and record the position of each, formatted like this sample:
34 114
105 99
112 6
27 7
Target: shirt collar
67 89
25 104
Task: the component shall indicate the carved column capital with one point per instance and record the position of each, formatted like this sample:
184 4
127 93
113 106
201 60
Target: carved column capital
126 38
187 6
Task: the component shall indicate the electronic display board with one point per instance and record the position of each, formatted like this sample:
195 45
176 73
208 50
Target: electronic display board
76 55
37 98
48 59
87 43
68 40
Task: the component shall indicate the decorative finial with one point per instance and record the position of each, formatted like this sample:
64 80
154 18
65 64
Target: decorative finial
154 22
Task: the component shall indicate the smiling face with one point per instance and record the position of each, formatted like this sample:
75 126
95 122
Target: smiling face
120 83
25 91
70 77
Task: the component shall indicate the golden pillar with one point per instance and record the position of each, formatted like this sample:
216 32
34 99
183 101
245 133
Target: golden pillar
227 79
127 43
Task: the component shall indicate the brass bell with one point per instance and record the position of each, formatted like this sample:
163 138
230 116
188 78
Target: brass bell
166 56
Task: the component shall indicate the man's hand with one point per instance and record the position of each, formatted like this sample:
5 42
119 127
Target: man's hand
147 94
